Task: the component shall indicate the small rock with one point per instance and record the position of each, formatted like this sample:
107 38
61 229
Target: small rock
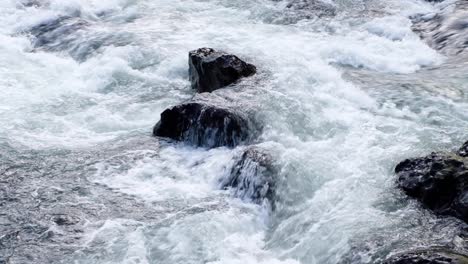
252 177
210 70
65 220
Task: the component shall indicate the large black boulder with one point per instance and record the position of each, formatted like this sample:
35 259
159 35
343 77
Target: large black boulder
208 124
210 70
252 178
439 181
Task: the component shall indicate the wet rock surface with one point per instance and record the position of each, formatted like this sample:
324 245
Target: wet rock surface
210 70
446 31
439 181
429 257
252 177
207 121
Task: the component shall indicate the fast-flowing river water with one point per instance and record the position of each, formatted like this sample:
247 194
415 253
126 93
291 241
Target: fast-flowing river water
343 96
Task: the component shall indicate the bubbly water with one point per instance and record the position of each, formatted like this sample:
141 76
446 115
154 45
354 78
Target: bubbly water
342 98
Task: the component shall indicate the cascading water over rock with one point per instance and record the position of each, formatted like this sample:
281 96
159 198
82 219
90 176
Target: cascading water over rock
208 121
252 177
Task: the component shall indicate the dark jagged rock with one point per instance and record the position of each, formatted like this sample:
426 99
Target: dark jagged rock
446 31
463 151
439 181
207 123
210 70
252 177
429 257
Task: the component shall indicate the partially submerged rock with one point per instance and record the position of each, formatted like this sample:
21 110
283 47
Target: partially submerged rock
207 123
53 32
65 220
73 35
210 70
429 257
314 7
439 181
252 177
446 31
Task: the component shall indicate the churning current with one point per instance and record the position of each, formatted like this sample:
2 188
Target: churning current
344 90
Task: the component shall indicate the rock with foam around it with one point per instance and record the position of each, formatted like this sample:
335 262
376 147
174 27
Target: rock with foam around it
210 70
439 181
252 178
208 121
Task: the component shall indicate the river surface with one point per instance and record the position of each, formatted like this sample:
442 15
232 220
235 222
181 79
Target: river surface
342 97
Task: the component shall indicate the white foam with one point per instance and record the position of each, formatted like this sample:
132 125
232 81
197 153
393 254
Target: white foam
176 173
